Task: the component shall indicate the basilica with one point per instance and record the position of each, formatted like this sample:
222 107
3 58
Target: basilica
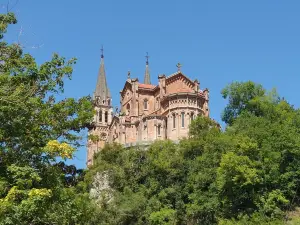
147 112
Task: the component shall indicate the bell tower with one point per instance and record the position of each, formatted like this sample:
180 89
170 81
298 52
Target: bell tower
103 114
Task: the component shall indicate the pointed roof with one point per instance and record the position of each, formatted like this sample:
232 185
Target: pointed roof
102 88
147 79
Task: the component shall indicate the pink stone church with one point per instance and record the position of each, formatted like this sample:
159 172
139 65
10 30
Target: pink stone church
148 112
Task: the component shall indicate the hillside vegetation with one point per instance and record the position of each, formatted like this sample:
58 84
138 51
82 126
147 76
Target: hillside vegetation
247 173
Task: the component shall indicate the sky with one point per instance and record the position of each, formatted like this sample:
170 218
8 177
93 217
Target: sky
217 42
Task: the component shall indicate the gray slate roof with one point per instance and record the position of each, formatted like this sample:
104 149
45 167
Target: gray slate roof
102 89
147 79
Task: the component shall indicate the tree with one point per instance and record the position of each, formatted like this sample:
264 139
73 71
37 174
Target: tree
166 184
247 174
35 129
260 173
239 95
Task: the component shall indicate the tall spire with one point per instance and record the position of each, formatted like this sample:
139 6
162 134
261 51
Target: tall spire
102 88
147 72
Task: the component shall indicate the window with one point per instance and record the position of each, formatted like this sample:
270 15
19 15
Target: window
158 130
145 104
128 109
108 102
106 117
182 119
100 116
192 116
174 121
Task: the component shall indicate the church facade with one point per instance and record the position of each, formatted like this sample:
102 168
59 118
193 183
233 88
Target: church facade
147 112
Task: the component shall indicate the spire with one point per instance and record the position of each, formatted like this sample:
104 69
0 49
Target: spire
147 72
101 88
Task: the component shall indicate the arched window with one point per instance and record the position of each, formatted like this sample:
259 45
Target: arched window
128 109
192 116
100 116
157 103
158 130
174 121
145 104
108 102
182 119
106 117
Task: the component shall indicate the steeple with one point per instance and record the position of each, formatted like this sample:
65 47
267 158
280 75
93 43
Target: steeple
102 90
147 72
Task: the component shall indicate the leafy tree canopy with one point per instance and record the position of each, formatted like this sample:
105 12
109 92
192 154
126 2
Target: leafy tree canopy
247 174
36 129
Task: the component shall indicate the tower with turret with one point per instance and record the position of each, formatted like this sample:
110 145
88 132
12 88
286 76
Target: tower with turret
103 114
148 112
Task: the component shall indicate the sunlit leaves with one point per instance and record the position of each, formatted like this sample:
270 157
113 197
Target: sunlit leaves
63 150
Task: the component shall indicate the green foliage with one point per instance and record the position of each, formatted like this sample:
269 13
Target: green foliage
93 138
247 174
163 184
163 217
254 219
202 126
36 128
239 96
6 19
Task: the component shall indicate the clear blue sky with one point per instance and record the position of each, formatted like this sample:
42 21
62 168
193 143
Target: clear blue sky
216 41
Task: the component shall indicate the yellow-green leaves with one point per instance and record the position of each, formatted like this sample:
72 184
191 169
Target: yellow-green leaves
164 216
41 193
64 150
236 171
14 194
272 203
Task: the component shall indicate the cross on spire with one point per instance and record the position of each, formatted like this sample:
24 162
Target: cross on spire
178 65
102 51
147 79
147 58
128 74
102 90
